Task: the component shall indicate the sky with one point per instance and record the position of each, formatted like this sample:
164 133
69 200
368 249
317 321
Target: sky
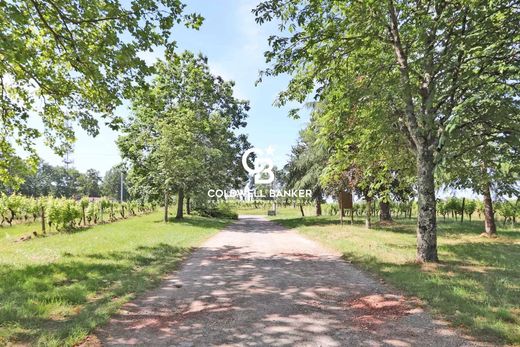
234 45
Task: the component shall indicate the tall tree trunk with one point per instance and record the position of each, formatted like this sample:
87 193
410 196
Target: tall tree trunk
384 211
341 210
301 210
318 202
166 203
343 203
368 221
188 206
489 214
426 215
180 204
422 137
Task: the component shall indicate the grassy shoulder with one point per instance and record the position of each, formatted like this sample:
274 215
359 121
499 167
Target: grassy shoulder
475 286
19 229
55 290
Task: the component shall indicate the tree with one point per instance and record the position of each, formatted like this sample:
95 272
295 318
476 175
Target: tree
483 155
89 183
73 61
368 151
66 182
54 181
111 186
181 138
59 181
305 166
39 183
436 55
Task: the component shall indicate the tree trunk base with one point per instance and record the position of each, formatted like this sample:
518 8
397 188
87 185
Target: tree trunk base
384 212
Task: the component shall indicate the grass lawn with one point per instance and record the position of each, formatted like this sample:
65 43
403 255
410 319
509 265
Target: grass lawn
475 286
55 290
19 229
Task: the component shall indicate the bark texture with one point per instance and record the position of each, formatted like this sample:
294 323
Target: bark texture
426 216
180 204
422 135
368 219
188 205
166 203
384 211
489 214
318 207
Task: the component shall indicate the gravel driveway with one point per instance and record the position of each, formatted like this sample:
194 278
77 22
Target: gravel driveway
258 284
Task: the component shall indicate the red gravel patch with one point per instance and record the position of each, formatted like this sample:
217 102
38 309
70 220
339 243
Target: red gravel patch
374 310
299 255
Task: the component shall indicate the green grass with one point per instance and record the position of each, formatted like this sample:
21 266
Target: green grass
19 229
476 285
55 290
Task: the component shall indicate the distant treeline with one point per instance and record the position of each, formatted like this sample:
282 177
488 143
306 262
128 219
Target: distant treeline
58 181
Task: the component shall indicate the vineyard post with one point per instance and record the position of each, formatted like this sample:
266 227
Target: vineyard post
43 218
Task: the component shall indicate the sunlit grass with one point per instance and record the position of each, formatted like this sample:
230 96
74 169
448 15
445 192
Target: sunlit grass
19 229
475 286
54 290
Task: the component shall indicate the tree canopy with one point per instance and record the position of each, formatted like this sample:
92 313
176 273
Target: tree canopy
427 63
73 62
183 135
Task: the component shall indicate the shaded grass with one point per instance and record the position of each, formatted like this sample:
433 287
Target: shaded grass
55 290
476 286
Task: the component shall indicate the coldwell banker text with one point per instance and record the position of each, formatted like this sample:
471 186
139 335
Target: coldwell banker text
253 193
262 172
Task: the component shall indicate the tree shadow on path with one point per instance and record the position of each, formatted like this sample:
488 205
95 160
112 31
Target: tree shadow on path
232 296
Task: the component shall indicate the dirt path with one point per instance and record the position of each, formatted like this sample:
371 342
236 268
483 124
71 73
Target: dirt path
258 284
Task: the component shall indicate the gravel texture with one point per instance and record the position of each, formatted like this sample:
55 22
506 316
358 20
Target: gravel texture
258 284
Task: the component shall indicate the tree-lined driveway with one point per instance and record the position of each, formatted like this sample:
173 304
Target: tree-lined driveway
258 284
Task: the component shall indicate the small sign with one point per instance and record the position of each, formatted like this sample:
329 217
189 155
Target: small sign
345 199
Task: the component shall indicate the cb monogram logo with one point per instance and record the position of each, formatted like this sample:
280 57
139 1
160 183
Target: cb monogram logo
262 165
